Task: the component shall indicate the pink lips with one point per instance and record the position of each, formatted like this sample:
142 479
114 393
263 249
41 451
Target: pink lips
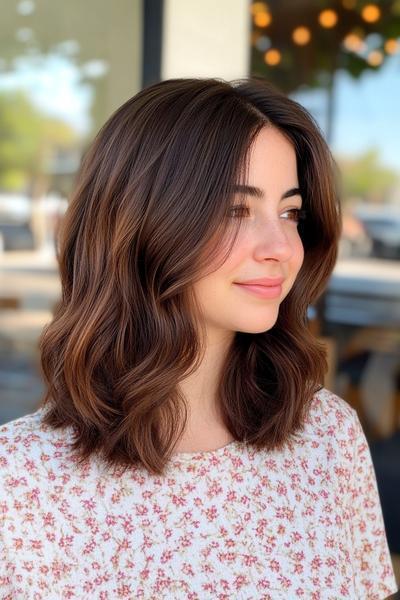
263 288
263 281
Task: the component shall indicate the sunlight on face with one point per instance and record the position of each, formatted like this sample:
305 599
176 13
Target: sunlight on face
268 244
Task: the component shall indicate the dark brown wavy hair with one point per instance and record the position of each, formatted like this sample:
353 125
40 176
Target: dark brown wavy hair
148 213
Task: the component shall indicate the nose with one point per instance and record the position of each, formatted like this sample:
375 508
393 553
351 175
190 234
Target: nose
274 241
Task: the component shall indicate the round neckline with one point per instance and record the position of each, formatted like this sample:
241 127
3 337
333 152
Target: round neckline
199 454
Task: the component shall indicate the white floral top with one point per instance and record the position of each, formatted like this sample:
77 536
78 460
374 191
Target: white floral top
232 523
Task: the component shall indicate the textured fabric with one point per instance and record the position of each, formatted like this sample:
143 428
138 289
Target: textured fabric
230 523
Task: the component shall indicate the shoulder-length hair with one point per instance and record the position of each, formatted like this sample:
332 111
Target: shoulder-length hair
149 210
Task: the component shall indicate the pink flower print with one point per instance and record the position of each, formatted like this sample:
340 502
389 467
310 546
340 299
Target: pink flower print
264 583
89 547
188 569
281 529
18 543
274 566
28 565
166 556
66 541
316 562
30 465
249 560
298 568
15 482
48 519
239 582
286 583
36 544
29 517
211 513
141 510
281 489
88 586
270 465
33 496
304 536
144 573
89 504
124 591
115 498
231 496
110 520
214 489
127 525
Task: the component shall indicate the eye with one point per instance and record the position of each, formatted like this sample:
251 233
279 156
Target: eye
239 209
297 214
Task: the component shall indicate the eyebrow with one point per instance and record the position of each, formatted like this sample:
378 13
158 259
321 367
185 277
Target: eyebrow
257 192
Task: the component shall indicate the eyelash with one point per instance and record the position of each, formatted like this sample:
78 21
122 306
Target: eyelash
300 214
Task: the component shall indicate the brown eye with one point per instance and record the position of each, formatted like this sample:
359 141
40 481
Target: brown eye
296 214
239 210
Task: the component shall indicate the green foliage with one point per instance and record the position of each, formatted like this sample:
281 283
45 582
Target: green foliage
363 177
19 135
28 139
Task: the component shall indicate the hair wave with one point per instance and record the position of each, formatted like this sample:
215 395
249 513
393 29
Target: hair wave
148 211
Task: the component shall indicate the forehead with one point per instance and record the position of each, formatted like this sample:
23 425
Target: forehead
271 149
270 160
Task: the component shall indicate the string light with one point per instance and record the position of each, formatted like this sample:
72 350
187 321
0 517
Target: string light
259 7
392 46
371 13
328 18
272 57
375 58
353 42
301 35
262 19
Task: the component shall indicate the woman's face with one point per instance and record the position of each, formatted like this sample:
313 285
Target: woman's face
268 244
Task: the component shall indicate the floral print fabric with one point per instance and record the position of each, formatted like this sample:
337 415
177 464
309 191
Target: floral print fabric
232 523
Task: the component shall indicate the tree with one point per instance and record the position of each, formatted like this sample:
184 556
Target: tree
28 140
363 177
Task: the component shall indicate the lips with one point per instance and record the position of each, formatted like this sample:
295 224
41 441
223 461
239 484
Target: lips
265 281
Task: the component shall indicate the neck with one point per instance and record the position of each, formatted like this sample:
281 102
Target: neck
205 429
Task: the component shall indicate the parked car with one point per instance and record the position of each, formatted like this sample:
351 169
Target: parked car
382 225
15 228
16 236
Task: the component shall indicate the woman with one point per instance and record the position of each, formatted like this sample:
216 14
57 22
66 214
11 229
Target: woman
185 446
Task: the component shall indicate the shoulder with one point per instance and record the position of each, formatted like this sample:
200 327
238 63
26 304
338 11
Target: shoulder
28 446
331 421
327 408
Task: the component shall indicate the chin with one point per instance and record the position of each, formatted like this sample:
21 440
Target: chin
257 327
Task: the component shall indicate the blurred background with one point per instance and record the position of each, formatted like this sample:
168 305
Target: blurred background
66 66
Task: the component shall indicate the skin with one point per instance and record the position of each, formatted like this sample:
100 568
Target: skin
268 245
